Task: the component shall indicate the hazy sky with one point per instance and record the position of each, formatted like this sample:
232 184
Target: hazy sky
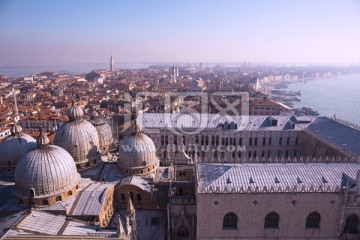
67 32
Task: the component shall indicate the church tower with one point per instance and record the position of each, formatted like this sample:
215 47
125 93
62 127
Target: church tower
112 64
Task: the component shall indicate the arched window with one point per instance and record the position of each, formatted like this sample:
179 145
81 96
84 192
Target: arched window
272 220
351 224
45 202
182 232
230 221
131 196
313 220
138 197
69 193
58 198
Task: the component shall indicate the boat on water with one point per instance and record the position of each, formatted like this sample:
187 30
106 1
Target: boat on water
305 110
280 86
285 93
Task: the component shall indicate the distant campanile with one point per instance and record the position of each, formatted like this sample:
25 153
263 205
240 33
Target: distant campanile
112 64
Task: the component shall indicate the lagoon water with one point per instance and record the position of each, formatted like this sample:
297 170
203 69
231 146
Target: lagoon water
340 96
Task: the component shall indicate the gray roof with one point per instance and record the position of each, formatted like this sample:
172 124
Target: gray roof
273 177
42 222
79 228
7 221
111 173
137 181
340 134
92 199
150 121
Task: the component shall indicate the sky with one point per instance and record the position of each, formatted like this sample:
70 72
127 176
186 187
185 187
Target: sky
43 32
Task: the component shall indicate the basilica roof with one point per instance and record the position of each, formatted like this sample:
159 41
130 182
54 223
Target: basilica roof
15 146
48 170
78 136
137 151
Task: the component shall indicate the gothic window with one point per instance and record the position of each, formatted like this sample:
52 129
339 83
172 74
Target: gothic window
313 220
122 197
351 224
138 197
182 232
272 220
230 221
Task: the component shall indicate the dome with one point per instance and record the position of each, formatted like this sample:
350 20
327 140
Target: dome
104 131
80 138
48 171
14 147
75 112
137 154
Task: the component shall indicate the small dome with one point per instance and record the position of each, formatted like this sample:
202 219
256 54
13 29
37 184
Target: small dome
137 151
104 131
81 140
14 147
47 171
75 113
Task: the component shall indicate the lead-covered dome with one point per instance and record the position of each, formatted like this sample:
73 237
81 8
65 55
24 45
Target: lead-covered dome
14 147
80 138
104 131
46 175
137 153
